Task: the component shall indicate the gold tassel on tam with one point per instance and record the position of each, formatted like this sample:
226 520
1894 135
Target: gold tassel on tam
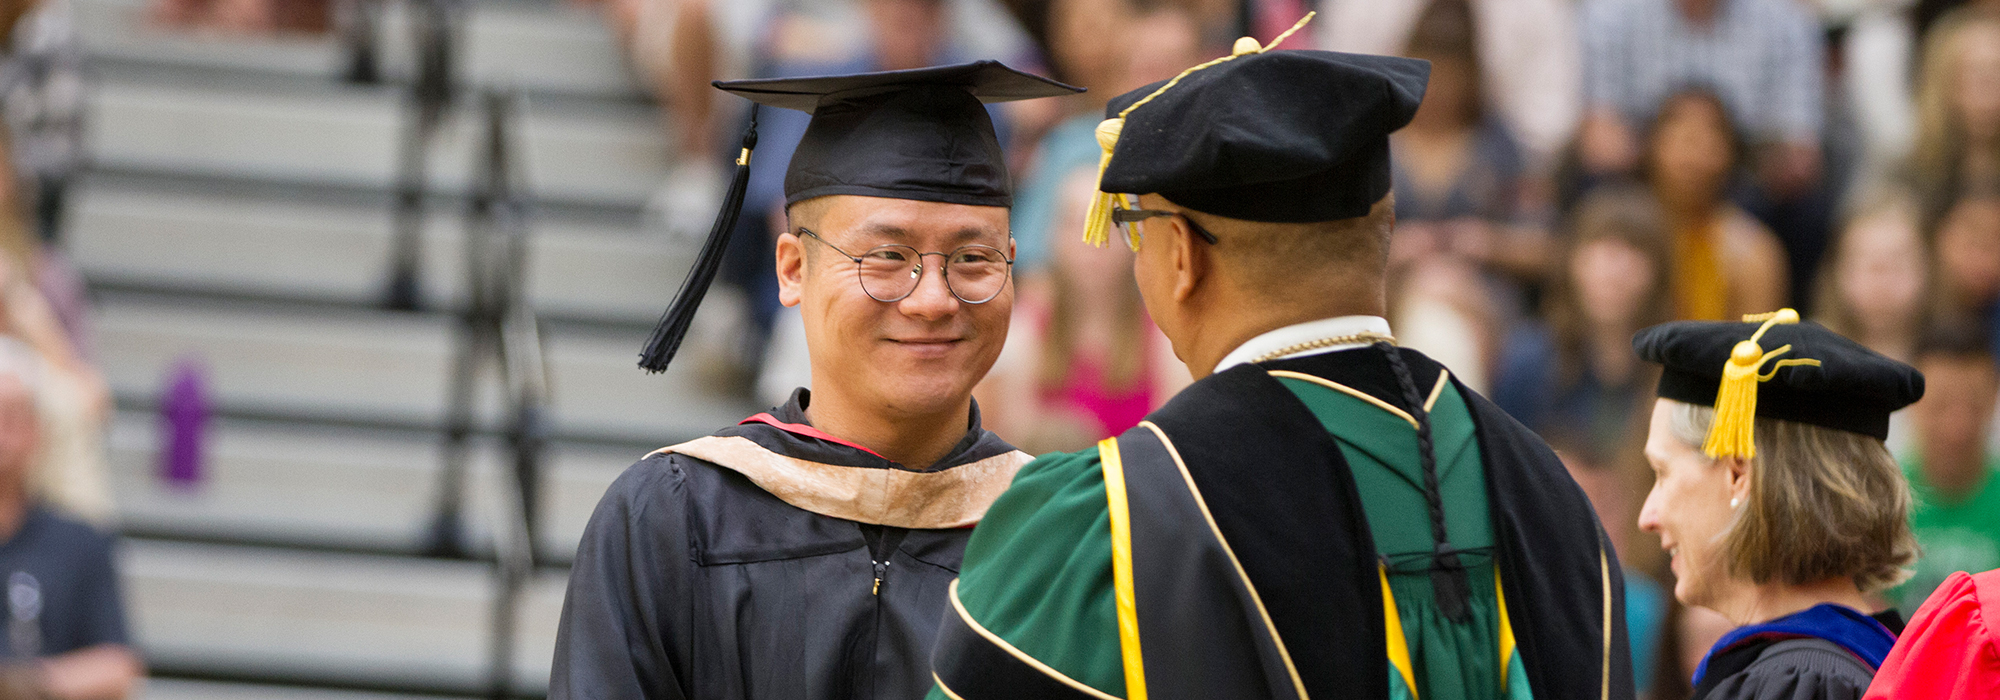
1097 221
1733 432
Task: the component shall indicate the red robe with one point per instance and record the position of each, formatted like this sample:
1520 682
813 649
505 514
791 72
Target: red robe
1951 649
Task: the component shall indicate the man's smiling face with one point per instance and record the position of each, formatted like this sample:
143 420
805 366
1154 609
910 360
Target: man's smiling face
918 355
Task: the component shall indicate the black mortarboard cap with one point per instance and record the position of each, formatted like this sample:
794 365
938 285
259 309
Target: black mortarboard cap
920 134
1850 387
1281 136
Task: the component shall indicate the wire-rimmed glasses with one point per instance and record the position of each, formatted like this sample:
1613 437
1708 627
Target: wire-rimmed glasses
974 274
1124 215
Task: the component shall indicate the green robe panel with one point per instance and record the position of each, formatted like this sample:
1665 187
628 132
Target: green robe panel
1449 660
1052 527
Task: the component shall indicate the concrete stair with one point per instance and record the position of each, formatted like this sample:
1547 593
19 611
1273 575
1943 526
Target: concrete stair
186 689
273 613
364 365
551 48
336 249
340 487
591 153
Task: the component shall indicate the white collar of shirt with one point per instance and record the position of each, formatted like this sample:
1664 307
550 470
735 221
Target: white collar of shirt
1309 331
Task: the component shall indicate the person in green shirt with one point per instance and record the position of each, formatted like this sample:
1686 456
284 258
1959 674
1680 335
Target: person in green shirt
1322 514
1956 513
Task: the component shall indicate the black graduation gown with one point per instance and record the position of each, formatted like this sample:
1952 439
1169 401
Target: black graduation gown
709 577
1790 668
1793 669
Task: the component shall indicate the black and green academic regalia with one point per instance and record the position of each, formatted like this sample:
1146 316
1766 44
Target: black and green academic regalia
1266 535
771 560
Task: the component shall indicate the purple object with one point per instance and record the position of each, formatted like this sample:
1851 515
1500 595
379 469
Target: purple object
184 424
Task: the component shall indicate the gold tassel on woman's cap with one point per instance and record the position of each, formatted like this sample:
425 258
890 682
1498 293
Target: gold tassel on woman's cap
1733 433
1097 222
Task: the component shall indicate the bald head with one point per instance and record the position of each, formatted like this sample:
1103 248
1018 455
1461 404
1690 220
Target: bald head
1209 298
1285 263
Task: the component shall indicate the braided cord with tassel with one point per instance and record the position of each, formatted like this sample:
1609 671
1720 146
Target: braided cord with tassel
1449 586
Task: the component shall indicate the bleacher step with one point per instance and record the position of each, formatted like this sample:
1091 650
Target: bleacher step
335 618
602 154
185 689
339 251
531 46
350 364
340 487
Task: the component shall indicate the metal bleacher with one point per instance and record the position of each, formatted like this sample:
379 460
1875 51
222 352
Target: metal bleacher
237 211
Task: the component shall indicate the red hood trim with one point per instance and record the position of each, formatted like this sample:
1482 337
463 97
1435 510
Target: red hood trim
808 431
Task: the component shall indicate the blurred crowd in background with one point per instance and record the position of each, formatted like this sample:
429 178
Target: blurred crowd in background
1580 169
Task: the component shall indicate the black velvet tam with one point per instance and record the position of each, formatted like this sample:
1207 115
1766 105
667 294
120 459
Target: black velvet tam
1853 388
1283 136
918 134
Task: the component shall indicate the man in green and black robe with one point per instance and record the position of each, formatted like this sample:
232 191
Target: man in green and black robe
1322 514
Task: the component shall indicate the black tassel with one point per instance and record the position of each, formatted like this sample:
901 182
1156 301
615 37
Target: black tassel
1448 578
673 326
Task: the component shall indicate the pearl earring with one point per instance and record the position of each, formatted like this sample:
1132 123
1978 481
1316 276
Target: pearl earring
1732 503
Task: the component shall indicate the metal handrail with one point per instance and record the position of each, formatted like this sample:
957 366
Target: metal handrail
434 27
497 328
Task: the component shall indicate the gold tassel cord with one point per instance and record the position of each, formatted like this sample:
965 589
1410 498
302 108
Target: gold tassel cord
1733 432
1097 221
1296 26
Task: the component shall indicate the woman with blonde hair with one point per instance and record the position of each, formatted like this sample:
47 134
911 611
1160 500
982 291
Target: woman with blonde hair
1776 499
1875 282
1957 111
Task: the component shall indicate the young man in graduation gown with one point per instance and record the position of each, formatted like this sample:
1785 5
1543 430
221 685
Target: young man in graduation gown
805 552
1322 514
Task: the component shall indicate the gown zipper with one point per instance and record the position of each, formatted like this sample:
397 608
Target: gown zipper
882 543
